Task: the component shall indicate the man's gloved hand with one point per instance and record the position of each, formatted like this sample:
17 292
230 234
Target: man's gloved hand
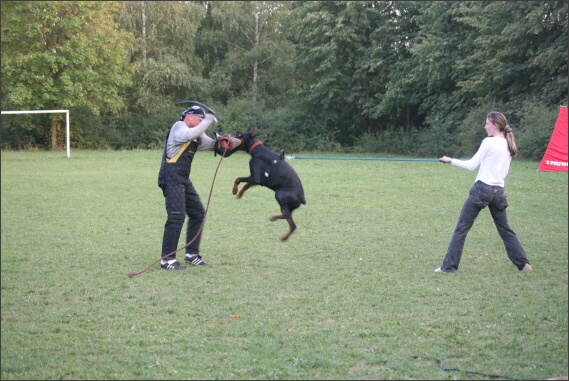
208 111
226 145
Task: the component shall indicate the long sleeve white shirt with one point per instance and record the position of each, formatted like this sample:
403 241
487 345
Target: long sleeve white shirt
181 133
494 160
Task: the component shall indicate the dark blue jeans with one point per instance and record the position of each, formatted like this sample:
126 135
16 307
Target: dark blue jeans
482 195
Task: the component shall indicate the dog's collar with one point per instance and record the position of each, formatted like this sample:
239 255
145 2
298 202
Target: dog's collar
255 145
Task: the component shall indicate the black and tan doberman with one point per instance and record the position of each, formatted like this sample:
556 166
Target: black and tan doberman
270 170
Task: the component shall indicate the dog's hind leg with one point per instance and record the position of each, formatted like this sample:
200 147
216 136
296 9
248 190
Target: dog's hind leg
291 229
279 216
235 185
286 215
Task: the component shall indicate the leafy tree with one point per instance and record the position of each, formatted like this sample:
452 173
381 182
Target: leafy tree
163 53
60 55
521 52
346 53
327 46
397 101
247 50
442 44
400 77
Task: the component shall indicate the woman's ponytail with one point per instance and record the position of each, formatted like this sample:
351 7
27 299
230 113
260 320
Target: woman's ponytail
500 120
509 134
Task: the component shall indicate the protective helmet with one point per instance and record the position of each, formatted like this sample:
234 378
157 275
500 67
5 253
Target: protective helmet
197 111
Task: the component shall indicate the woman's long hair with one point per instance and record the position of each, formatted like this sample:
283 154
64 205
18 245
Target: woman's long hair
498 119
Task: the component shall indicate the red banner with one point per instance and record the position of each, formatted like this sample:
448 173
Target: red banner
555 156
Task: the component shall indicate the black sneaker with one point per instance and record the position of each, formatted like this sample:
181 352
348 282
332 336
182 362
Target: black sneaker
172 266
195 259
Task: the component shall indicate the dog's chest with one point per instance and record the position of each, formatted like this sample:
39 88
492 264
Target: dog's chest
267 167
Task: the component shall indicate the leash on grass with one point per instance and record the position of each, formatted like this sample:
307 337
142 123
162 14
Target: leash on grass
440 363
228 145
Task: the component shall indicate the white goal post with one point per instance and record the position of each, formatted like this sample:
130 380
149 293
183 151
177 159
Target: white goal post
49 112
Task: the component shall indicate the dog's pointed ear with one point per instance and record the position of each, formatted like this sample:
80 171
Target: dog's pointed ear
254 131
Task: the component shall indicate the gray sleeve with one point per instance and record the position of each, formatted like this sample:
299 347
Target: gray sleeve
207 143
182 135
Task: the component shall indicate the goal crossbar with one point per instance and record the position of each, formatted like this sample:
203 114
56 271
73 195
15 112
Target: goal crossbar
66 112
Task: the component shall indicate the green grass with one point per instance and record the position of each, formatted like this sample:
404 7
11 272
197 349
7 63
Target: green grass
351 295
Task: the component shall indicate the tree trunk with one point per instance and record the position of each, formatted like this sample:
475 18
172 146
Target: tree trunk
55 124
256 63
143 33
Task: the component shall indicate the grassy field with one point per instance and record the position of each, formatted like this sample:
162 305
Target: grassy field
351 295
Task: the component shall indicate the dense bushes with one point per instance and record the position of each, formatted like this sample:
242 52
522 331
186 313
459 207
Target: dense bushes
532 123
534 130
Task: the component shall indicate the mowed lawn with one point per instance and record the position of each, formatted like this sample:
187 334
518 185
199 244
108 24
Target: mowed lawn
351 295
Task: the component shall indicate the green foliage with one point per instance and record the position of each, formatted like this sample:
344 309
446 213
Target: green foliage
431 143
247 52
521 52
396 77
336 61
239 115
389 142
23 131
287 127
163 53
470 131
443 41
90 131
60 55
534 130
127 132
72 53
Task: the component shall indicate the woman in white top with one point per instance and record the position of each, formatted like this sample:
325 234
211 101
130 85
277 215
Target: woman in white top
493 157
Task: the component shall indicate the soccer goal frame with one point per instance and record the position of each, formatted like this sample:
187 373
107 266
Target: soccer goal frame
66 112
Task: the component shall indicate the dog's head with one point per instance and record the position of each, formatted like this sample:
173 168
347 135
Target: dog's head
247 139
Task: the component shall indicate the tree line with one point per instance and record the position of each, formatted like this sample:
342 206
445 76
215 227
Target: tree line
399 77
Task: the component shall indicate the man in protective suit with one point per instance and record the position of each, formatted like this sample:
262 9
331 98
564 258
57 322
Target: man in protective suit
185 138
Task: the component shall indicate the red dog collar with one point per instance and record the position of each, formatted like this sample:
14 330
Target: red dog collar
255 145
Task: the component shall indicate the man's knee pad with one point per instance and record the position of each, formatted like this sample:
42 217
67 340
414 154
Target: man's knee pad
175 220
